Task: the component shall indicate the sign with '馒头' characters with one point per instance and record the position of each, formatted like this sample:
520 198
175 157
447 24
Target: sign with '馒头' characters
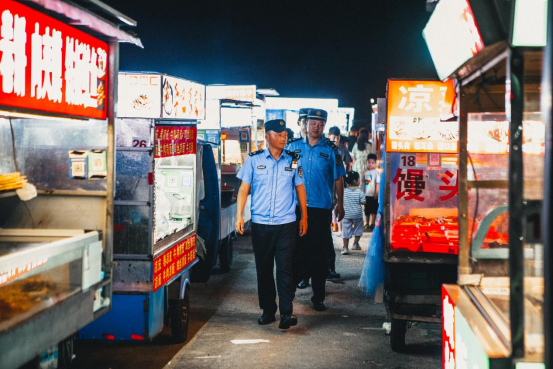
48 66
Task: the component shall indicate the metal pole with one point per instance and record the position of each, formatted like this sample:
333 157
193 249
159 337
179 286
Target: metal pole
113 69
514 110
547 219
463 197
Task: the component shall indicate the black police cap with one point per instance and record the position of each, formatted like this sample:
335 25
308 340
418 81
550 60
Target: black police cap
304 112
277 125
317 114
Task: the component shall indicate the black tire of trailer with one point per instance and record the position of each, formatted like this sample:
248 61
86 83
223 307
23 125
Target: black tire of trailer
180 318
226 253
397 335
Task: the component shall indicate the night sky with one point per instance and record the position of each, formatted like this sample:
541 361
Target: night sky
327 49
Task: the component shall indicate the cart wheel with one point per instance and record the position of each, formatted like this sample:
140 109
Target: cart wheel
180 319
397 335
226 255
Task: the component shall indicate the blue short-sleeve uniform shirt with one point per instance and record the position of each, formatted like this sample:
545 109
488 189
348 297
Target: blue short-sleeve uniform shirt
322 165
273 184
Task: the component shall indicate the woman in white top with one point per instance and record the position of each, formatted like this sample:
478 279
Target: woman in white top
361 150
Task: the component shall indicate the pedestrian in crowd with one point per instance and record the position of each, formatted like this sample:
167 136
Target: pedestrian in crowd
334 135
361 150
345 141
273 175
323 169
289 134
353 218
371 184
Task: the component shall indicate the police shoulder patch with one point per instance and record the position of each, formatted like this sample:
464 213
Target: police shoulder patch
294 139
293 154
338 159
331 144
256 152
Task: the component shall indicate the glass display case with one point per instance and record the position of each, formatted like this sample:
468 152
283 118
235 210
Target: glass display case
505 141
423 203
155 193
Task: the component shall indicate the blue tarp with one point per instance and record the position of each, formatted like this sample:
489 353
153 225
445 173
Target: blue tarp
372 274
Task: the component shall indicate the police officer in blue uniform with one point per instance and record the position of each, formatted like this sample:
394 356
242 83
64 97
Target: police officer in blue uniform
322 170
273 175
302 121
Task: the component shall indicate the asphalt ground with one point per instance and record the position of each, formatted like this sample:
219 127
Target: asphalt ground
349 334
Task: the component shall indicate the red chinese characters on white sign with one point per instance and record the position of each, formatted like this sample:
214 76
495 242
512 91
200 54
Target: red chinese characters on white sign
46 65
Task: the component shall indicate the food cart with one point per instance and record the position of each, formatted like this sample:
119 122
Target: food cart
56 164
420 212
494 315
155 208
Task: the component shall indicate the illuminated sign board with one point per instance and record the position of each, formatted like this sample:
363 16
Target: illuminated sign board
139 95
48 66
236 117
530 23
182 99
415 113
240 93
452 36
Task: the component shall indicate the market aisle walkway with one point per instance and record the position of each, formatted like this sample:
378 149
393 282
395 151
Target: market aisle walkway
348 335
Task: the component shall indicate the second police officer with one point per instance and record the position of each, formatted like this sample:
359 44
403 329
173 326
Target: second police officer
322 171
273 175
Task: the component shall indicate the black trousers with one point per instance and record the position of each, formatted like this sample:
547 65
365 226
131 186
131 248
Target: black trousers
310 259
274 243
330 252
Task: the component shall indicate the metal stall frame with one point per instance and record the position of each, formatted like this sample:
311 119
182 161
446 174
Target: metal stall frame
34 333
514 59
547 210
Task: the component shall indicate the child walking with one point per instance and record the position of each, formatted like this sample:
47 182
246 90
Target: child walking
352 224
371 184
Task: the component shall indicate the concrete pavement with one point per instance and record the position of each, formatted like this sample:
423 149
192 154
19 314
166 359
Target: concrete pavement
349 334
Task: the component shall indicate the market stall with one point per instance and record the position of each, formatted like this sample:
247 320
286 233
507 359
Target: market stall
155 208
420 214
494 315
56 182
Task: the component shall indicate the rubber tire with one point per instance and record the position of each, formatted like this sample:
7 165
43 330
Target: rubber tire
226 254
180 319
397 335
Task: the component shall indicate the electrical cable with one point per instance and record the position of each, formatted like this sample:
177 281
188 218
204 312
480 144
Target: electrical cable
17 170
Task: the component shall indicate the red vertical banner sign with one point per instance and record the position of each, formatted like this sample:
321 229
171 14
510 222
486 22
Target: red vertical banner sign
174 260
175 141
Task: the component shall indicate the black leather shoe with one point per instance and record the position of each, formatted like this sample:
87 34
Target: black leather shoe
319 306
266 319
303 284
331 274
287 321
